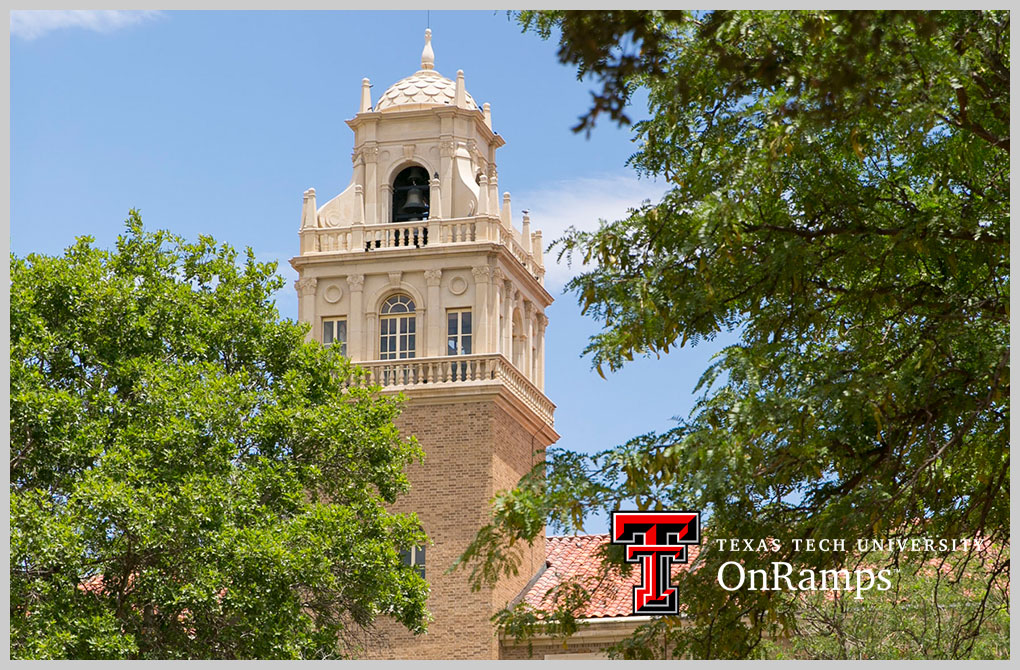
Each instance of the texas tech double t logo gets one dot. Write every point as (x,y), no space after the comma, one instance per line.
(657,540)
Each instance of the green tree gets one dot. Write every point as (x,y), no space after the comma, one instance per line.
(188,477)
(838,196)
(928,613)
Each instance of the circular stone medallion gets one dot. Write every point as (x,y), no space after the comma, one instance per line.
(458,285)
(333,293)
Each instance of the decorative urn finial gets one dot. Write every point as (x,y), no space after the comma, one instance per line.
(428,58)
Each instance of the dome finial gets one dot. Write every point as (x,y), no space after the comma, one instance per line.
(428,58)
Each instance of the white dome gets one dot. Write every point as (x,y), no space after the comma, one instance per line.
(423,89)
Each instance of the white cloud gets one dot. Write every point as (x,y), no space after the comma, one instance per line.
(32,24)
(580,203)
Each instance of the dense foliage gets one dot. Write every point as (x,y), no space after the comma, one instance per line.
(929,613)
(839,196)
(188,478)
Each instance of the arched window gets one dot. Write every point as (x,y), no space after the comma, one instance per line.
(397,328)
(411,194)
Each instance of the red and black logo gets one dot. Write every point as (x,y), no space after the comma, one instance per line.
(657,540)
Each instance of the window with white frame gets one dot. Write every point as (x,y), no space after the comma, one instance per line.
(415,557)
(458,332)
(334,331)
(397,328)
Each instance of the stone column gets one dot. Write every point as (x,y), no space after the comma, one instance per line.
(446,150)
(359,204)
(529,316)
(356,319)
(419,318)
(435,202)
(505,214)
(306,304)
(358,229)
(372,207)
(386,203)
(508,325)
(495,343)
(480,330)
(493,190)
(543,321)
(434,340)
(371,331)
(483,210)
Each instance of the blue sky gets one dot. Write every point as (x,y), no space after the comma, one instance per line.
(216,122)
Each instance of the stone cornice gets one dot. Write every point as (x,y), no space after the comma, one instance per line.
(511,266)
(491,137)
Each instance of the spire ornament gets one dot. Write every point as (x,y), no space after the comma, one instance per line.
(428,57)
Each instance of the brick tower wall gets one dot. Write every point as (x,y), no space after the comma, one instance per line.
(473,448)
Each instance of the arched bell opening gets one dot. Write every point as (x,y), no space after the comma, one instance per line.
(411,194)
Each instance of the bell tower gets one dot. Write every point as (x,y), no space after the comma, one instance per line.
(418,272)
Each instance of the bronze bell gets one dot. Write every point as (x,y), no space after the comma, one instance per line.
(415,205)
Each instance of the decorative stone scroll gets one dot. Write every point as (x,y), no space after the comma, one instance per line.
(432,277)
(306,286)
(356,282)
(481,273)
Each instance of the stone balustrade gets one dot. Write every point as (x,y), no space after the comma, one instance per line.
(509,240)
(418,234)
(408,374)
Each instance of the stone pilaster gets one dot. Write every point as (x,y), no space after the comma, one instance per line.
(496,310)
(356,319)
(508,324)
(543,321)
(529,339)
(480,324)
(386,203)
(434,339)
(306,303)
(373,207)
(446,150)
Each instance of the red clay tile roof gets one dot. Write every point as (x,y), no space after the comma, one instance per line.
(580,557)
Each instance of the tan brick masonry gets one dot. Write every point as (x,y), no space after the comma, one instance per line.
(473,449)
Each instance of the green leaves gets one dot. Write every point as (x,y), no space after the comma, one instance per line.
(840,200)
(188,477)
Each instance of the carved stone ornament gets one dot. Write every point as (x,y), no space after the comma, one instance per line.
(395,277)
(481,273)
(333,293)
(371,154)
(356,282)
(306,286)
(447,147)
(432,277)
(458,285)
(498,275)
(408,151)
